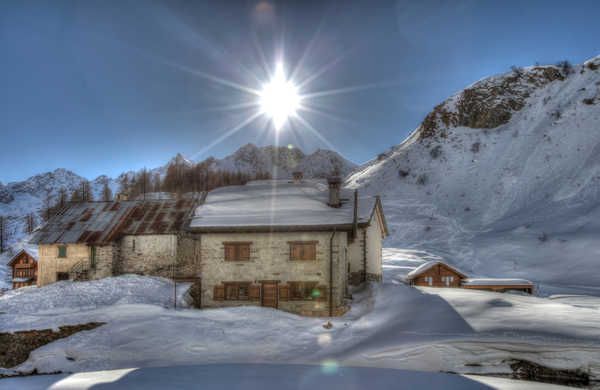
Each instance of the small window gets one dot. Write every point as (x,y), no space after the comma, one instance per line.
(62,251)
(237,291)
(62,276)
(25,260)
(303,290)
(133,245)
(93,257)
(303,250)
(237,251)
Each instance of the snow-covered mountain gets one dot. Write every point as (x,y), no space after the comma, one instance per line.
(282,161)
(502,178)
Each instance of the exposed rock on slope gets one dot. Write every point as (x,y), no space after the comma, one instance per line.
(503,178)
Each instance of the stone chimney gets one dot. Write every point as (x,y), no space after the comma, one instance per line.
(121,196)
(334,191)
(297,176)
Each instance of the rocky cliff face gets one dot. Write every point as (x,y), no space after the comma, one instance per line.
(502,178)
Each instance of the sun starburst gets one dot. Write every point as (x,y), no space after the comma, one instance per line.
(279,98)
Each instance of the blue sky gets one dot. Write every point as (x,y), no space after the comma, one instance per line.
(100,87)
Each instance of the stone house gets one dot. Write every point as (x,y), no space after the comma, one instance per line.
(94,240)
(24,269)
(294,246)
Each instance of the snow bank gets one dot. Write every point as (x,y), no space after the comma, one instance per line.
(67,296)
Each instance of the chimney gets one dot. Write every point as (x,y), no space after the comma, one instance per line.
(121,196)
(297,176)
(334,191)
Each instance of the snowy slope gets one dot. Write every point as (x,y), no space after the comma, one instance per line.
(502,179)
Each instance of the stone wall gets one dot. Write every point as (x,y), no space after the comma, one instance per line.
(355,258)
(374,250)
(270,260)
(49,264)
(106,258)
(151,254)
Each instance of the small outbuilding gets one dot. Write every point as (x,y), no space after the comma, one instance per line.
(498,285)
(24,269)
(440,274)
(435,274)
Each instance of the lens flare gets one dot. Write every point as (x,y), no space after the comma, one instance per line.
(329,367)
(279,98)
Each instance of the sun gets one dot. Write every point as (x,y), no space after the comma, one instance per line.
(279,98)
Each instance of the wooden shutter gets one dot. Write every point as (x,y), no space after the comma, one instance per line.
(310,252)
(229,252)
(294,252)
(219,292)
(284,292)
(244,252)
(254,292)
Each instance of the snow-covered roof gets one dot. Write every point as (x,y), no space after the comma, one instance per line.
(277,204)
(20,280)
(430,264)
(496,282)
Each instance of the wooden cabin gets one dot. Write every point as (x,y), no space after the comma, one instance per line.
(439,274)
(435,274)
(24,269)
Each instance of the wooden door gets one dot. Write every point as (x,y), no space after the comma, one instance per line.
(269,294)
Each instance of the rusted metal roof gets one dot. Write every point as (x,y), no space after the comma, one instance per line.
(98,223)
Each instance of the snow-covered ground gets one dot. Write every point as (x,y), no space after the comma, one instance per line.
(269,376)
(390,325)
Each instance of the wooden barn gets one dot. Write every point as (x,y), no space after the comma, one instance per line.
(24,269)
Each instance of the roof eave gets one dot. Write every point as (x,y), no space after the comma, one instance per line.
(270,228)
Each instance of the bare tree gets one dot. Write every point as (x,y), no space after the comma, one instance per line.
(106,192)
(76,195)
(4,233)
(47,209)
(62,197)
(30,223)
(86,191)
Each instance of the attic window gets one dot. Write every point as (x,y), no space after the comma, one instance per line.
(303,250)
(237,251)
(62,251)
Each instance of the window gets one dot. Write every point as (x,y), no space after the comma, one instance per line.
(62,251)
(428,279)
(447,280)
(237,251)
(25,260)
(303,290)
(303,250)
(93,257)
(236,291)
(133,245)
(62,276)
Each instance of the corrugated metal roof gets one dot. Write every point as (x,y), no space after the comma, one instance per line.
(101,222)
